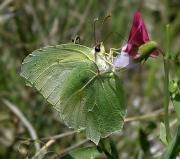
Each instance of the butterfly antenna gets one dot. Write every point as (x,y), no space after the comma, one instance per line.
(117,34)
(103,22)
(107,36)
(95,40)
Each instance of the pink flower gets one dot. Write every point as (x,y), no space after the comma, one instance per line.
(137,37)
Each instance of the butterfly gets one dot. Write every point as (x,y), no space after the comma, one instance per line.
(79,83)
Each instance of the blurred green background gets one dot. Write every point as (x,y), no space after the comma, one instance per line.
(31,24)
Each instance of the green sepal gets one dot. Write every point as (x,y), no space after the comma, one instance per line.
(145,50)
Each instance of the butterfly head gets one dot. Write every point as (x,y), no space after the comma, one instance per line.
(99,49)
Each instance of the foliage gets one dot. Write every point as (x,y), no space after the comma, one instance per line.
(173,149)
(82,153)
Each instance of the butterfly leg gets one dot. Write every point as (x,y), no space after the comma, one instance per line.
(113,52)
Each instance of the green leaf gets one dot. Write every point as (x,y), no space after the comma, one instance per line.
(176,103)
(174,88)
(69,79)
(173,148)
(163,134)
(83,153)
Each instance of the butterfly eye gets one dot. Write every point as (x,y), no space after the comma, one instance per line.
(97,48)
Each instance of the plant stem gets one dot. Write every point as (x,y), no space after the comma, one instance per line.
(73,147)
(153,115)
(24,120)
(166,86)
(166,99)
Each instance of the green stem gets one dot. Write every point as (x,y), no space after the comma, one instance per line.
(166,86)
(166,99)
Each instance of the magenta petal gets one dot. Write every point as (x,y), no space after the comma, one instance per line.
(138,34)
(154,54)
(137,37)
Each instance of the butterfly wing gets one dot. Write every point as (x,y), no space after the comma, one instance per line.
(68,78)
